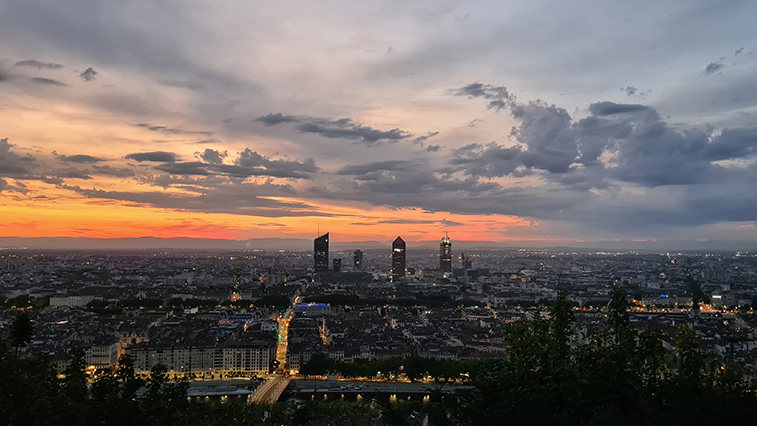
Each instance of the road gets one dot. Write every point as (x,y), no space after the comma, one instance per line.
(270,391)
(281,348)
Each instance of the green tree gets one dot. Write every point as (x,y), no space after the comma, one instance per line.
(73,390)
(318,365)
(22,330)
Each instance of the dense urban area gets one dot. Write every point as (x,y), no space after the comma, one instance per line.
(371,328)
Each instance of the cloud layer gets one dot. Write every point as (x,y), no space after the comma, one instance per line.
(571,121)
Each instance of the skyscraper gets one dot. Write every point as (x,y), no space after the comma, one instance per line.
(445,254)
(321,253)
(357,260)
(398,259)
(466,262)
(337,265)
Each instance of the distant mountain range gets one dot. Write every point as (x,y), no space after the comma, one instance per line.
(149,243)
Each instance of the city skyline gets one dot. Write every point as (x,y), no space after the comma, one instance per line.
(527,124)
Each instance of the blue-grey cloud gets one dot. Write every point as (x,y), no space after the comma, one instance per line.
(425,137)
(14,165)
(89,74)
(38,64)
(277,118)
(78,158)
(106,170)
(48,81)
(154,156)
(341,128)
(345,128)
(171,131)
(238,199)
(212,156)
(498,96)
(713,67)
(248,163)
(489,160)
(252,160)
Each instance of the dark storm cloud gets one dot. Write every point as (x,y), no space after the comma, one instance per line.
(78,158)
(212,156)
(712,67)
(196,168)
(425,137)
(278,118)
(38,64)
(17,187)
(733,143)
(171,131)
(342,128)
(489,160)
(70,172)
(582,166)
(112,171)
(423,187)
(155,156)
(89,74)
(498,96)
(545,130)
(248,163)
(609,108)
(345,128)
(27,167)
(646,150)
(48,81)
(253,161)
(14,165)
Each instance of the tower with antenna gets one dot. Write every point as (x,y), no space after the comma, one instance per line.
(445,254)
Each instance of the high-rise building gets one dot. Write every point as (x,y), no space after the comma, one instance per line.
(321,253)
(398,259)
(337,265)
(466,262)
(445,254)
(357,260)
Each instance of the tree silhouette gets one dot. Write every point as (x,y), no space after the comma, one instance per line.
(22,330)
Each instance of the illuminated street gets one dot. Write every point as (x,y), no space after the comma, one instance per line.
(281,349)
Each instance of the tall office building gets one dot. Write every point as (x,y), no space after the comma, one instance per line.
(321,253)
(357,260)
(445,254)
(398,259)
(337,265)
(466,262)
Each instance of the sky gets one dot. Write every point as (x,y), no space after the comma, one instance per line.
(521,122)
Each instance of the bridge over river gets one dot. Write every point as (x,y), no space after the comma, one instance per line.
(278,385)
